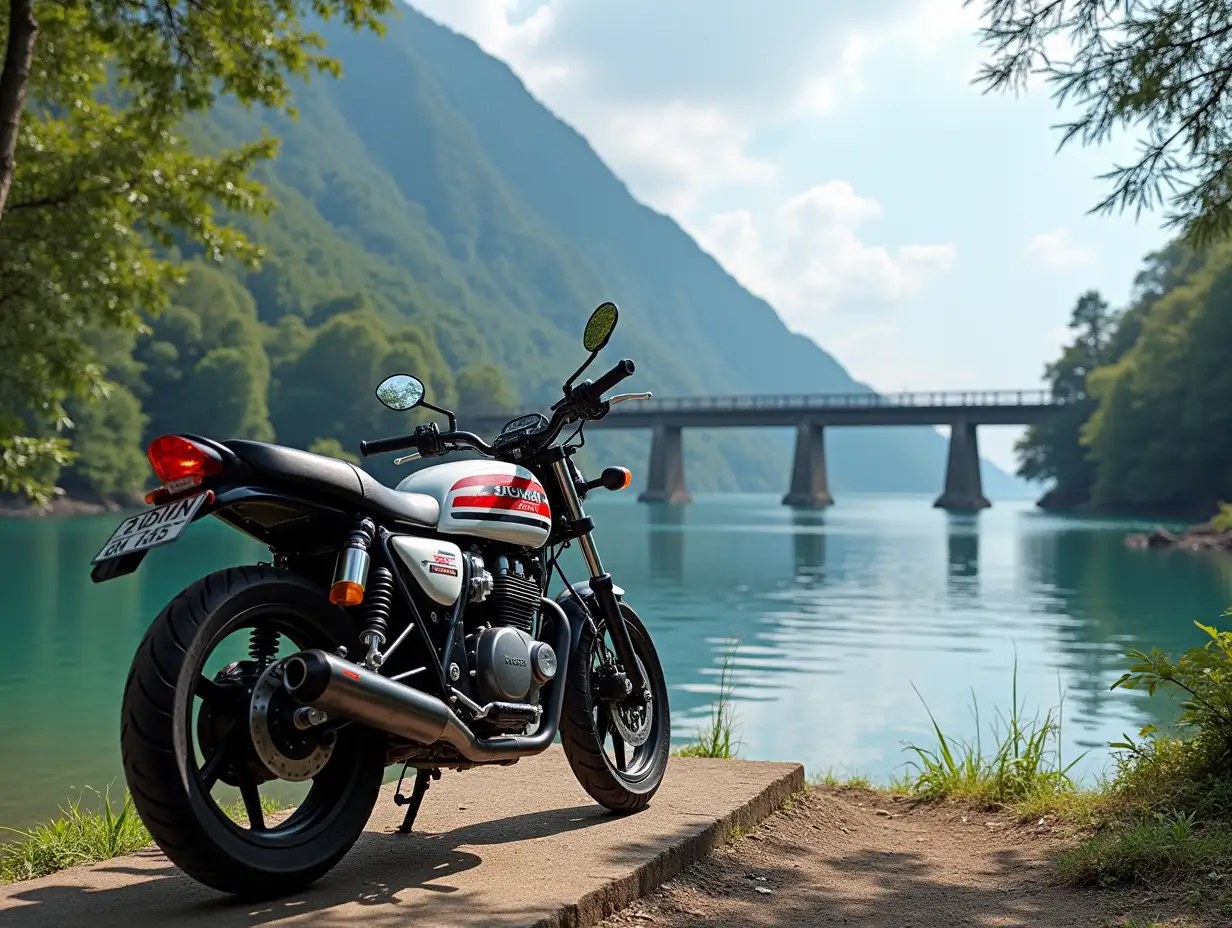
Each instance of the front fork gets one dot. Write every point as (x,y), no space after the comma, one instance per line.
(600,581)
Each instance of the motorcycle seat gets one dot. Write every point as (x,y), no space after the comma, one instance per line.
(339,479)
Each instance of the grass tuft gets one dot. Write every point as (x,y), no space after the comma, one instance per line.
(717,738)
(79,836)
(1164,846)
(84,835)
(1025,764)
(835,780)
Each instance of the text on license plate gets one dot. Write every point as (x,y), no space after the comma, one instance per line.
(151,528)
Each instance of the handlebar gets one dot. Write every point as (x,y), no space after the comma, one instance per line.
(402,442)
(618,373)
(385,445)
(586,402)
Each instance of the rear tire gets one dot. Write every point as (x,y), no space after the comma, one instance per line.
(169,788)
(583,733)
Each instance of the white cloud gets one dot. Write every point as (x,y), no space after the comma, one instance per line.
(1057,248)
(807,259)
(679,150)
(672,94)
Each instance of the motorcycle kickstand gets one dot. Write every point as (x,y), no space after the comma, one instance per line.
(412,802)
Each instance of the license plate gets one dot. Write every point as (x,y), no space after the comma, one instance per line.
(150,529)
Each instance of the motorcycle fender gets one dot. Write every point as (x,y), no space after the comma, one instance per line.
(579,612)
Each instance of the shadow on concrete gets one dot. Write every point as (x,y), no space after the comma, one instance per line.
(372,875)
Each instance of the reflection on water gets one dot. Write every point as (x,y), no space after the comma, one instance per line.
(837,614)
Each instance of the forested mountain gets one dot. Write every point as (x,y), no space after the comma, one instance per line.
(433,217)
(1150,426)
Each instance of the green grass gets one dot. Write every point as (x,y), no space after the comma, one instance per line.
(85,835)
(1148,850)
(836,780)
(717,737)
(1023,763)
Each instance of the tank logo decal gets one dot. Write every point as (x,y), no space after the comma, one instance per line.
(501,498)
(441,569)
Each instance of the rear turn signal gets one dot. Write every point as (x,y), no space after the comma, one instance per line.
(346,593)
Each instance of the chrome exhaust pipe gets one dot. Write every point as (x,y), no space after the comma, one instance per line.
(342,689)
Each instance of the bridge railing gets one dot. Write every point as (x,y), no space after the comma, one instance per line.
(822,401)
(850,400)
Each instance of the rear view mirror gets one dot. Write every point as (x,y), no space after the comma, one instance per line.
(600,326)
(401,392)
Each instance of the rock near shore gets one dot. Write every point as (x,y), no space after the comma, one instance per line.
(1197,538)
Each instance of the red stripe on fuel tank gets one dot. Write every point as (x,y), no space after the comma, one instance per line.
(503,502)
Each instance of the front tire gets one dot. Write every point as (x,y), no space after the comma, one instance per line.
(627,778)
(171,788)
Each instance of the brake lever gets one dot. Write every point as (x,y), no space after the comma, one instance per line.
(414,455)
(622,397)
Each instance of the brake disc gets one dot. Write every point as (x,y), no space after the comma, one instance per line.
(288,752)
(634,730)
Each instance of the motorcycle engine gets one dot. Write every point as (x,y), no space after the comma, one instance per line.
(509,665)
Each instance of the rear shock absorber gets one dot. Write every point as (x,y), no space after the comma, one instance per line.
(263,645)
(379,601)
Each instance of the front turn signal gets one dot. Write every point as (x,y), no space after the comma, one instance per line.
(612,478)
(615,478)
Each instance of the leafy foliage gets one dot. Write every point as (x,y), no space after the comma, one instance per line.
(1168,811)
(102,190)
(1204,674)
(1162,68)
(1151,396)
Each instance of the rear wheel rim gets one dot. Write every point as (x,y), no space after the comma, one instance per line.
(224,742)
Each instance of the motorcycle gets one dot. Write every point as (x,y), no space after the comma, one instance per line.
(393,626)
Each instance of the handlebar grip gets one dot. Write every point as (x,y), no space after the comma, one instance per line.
(385,445)
(618,373)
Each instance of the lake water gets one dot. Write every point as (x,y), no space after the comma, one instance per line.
(837,616)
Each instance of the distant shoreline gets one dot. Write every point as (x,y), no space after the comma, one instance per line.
(60,507)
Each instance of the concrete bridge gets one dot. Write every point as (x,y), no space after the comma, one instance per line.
(809,414)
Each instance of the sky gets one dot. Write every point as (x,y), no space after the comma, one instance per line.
(837,159)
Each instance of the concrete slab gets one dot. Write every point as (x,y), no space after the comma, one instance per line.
(504,847)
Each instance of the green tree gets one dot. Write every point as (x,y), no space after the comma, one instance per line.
(1053,449)
(1159,68)
(205,364)
(96,186)
(1161,436)
(107,442)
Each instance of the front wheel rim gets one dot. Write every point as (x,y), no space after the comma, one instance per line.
(630,762)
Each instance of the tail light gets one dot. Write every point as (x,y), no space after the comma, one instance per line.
(179,464)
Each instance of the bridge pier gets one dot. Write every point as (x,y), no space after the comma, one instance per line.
(809,486)
(665,479)
(964,487)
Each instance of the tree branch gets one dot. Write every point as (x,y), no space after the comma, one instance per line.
(14,82)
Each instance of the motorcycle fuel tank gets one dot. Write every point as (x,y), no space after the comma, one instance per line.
(486,499)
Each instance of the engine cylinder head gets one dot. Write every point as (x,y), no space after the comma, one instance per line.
(515,595)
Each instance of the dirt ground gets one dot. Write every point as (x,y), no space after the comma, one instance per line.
(856,858)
